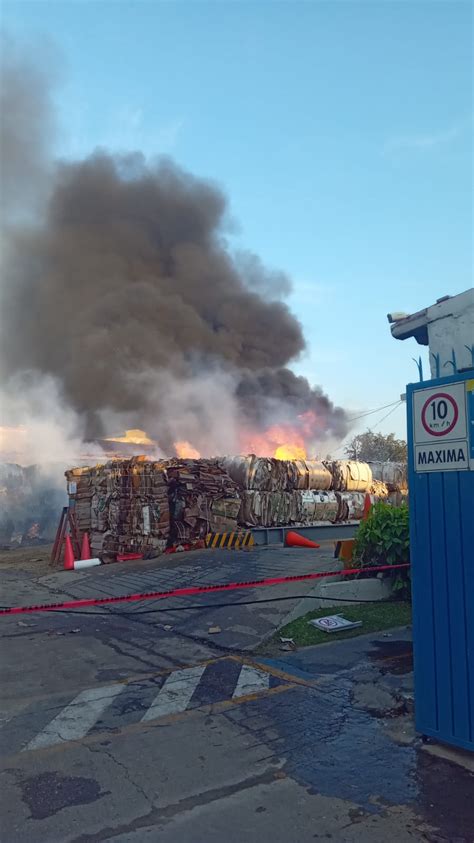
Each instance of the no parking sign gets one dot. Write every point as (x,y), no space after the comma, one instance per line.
(440,428)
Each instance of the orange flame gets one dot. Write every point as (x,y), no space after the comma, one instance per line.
(290,452)
(132,437)
(283,442)
(185,451)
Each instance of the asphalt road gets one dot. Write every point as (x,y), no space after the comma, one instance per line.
(149,727)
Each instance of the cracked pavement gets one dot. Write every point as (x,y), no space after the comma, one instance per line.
(328,753)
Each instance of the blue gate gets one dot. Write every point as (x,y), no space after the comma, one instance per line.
(441,486)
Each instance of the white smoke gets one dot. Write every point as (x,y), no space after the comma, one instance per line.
(37,426)
(201,410)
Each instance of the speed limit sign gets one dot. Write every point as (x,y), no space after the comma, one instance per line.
(439,414)
(439,428)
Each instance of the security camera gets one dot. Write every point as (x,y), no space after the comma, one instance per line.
(396,316)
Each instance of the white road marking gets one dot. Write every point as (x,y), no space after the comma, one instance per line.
(74,721)
(176,693)
(251,680)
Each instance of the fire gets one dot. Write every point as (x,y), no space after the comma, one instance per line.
(186,451)
(132,437)
(290,452)
(283,441)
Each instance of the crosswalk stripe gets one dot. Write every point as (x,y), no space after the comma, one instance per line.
(250,681)
(110,708)
(74,721)
(176,693)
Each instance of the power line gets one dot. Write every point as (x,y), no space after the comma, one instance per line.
(399,403)
(394,406)
(370,412)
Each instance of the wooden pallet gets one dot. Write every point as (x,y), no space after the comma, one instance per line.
(67,526)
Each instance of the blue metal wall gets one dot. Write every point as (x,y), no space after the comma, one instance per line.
(442,555)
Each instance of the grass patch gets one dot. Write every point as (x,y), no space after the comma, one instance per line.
(374,617)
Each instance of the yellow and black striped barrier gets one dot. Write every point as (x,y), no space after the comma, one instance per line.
(236,541)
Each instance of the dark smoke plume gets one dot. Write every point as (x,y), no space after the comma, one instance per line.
(27,127)
(290,395)
(125,289)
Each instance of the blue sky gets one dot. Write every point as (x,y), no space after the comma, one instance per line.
(341,131)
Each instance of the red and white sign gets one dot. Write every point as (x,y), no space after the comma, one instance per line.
(439,414)
(439,429)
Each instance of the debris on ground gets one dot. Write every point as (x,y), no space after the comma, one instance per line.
(287,644)
(30,500)
(334,623)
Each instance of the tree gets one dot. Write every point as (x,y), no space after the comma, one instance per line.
(374,447)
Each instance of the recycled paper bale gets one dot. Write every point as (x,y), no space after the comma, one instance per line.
(251,508)
(202,498)
(224,513)
(267,474)
(266,509)
(248,472)
(393,474)
(260,474)
(350,506)
(123,504)
(297,472)
(349,476)
(317,506)
(81,489)
(379,490)
(319,476)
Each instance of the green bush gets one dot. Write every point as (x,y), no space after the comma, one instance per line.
(384,537)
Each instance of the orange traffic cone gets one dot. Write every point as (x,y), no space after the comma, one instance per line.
(85,547)
(295,540)
(367,506)
(68,554)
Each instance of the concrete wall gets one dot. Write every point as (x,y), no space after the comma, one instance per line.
(451,326)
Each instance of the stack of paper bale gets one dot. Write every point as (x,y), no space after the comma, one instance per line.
(278,492)
(138,509)
(276,509)
(349,476)
(123,505)
(317,506)
(267,474)
(262,474)
(267,509)
(135,505)
(392,474)
(393,477)
(80,490)
(350,505)
(202,499)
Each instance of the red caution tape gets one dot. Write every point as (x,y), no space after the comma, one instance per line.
(185,592)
